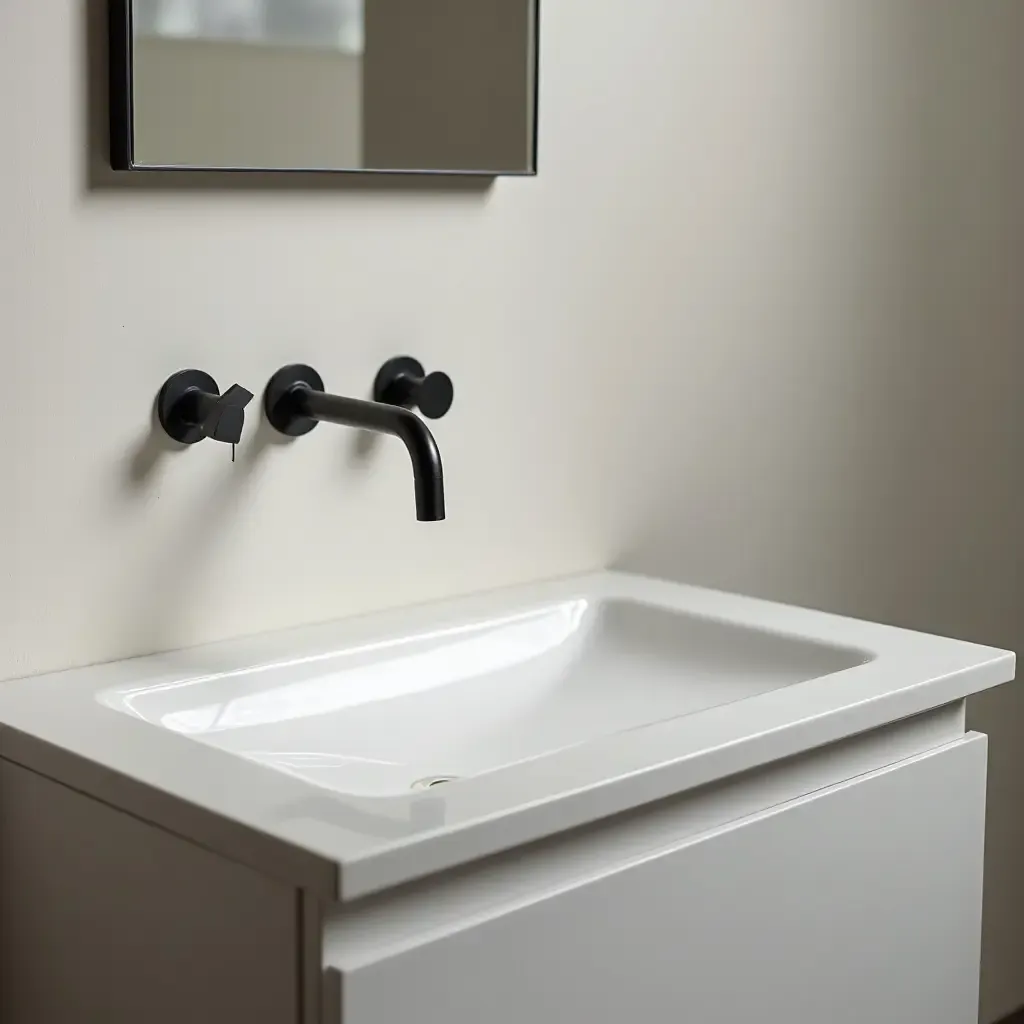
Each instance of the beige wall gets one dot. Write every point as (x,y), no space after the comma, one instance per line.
(759,323)
(847,425)
(224,104)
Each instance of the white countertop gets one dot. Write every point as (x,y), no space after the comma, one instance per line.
(344,846)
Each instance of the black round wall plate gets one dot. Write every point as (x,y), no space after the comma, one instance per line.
(389,374)
(172,406)
(278,399)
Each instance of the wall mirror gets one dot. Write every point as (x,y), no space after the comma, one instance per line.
(404,86)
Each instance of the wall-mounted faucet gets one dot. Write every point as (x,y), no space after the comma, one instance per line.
(190,408)
(295,401)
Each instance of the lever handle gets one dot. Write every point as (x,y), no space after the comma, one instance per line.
(190,407)
(226,415)
(402,381)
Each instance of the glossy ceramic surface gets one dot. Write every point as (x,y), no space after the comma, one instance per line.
(310,752)
(376,718)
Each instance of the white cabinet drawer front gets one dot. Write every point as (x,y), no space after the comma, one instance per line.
(859,903)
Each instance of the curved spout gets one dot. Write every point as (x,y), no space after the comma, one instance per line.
(387,419)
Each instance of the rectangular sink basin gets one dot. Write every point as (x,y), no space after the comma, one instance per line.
(383,717)
(361,754)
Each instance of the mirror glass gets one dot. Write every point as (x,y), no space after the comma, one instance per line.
(444,86)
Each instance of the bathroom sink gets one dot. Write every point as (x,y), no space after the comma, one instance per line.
(383,717)
(361,754)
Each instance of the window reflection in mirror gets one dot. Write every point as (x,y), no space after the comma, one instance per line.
(320,23)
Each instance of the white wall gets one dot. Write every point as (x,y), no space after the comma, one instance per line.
(758,323)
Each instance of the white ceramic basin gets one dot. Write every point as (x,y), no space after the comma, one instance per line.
(381,717)
(553,705)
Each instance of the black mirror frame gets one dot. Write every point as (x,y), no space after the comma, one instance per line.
(122,114)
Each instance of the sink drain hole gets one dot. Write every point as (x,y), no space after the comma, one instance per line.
(434,780)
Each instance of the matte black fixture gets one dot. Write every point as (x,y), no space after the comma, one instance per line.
(295,401)
(402,381)
(190,408)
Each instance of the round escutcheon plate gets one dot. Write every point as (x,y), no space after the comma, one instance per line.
(171,405)
(278,399)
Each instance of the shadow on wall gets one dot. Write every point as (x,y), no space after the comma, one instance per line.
(168,584)
(163,603)
(100,177)
(851,434)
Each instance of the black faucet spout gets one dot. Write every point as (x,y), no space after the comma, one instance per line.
(427,473)
(295,402)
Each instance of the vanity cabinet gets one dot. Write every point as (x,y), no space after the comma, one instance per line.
(662,804)
(855,900)
(860,902)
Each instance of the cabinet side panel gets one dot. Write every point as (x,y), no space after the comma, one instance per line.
(105,918)
(859,903)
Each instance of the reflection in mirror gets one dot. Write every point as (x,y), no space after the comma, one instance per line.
(392,85)
(332,24)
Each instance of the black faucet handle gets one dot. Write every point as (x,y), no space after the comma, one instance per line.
(236,397)
(226,415)
(402,381)
(190,407)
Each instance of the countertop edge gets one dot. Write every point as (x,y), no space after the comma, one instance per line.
(374,872)
(236,840)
